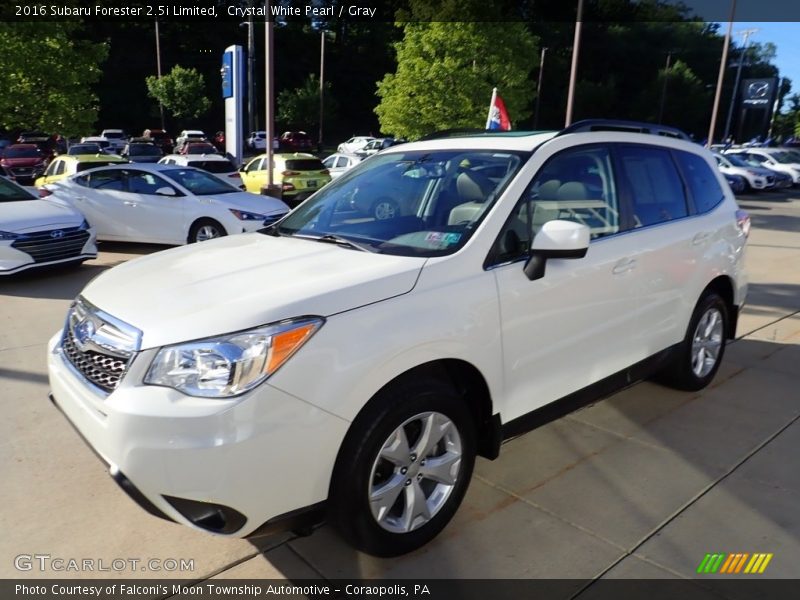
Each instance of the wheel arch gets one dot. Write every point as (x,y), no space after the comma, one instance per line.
(196,222)
(723,286)
(468,381)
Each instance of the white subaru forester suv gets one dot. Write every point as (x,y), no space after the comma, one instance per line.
(343,362)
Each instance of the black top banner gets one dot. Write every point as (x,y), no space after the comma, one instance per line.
(322,11)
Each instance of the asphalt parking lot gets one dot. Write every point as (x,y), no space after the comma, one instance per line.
(641,485)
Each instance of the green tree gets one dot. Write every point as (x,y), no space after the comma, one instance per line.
(48,74)
(181,91)
(299,108)
(446,72)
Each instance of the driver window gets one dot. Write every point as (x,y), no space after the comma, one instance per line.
(256,165)
(575,185)
(140,182)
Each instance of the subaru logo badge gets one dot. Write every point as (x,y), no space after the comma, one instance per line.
(57,234)
(84,332)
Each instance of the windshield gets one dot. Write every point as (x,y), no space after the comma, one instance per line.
(143,150)
(12,152)
(423,203)
(785,158)
(113,135)
(84,149)
(200,183)
(736,161)
(11,192)
(214,166)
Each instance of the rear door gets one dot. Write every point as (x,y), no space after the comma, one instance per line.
(99,196)
(669,241)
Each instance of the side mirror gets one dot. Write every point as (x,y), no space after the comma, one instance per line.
(165,191)
(556,239)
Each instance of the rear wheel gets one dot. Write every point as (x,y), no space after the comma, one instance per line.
(206,229)
(404,468)
(699,355)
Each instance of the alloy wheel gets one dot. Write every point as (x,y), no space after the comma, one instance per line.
(415,472)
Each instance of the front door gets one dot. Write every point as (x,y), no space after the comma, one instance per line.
(576,325)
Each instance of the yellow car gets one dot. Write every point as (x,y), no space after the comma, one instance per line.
(298,174)
(69,164)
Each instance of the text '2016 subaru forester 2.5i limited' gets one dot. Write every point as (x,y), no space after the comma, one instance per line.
(358,361)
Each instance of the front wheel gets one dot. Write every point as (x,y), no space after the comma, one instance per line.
(698,357)
(206,229)
(404,468)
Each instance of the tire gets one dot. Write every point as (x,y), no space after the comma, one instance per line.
(205,229)
(700,353)
(384,209)
(385,457)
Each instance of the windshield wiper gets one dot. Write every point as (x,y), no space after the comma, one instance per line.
(330,238)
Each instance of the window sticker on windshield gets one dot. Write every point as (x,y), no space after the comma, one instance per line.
(441,239)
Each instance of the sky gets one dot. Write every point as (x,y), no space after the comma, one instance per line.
(785,36)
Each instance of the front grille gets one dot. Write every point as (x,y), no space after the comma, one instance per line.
(101,369)
(43,247)
(98,345)
(770,179)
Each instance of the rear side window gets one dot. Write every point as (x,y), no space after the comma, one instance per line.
(705,189)
(655,186)
(306,164)
(213,166)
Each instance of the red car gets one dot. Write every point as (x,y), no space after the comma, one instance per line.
(24,162)
(296,141)
(198,148)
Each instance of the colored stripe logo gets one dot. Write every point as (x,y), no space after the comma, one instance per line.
(735,563)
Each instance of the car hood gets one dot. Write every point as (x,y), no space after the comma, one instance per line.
(21,162)
(242,281)
(264,205)
(757,171)
(26,216)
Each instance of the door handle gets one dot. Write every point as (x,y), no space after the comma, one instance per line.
(701,238)
(624,265)
(129,203)
(80,198)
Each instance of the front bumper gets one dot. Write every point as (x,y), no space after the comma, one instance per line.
(14,260)
(258,456)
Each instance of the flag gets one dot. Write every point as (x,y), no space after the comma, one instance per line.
(498,116)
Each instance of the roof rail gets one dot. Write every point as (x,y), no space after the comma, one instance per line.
(446,133)
(625,126)
(450,133)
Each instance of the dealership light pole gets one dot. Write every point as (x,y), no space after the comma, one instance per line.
(664,89)
(321,84)
(746,36)
(713,125)
(251,74)
(158,71)
(574,70)
(269,56)
(539,90)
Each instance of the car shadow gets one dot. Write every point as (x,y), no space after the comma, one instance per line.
(616,449)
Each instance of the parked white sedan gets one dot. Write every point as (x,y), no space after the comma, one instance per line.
(338,164)
(213,163)
(37,233)
(164,204)
(354,144)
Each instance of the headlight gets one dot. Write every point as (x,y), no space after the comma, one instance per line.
(7,235)
(243,215)
(85,225)
(229,365)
